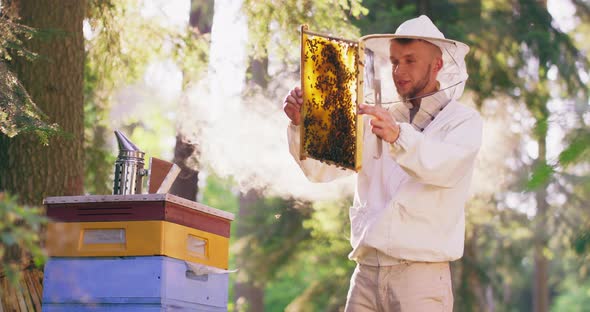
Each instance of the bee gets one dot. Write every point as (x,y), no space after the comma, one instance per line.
(329,123)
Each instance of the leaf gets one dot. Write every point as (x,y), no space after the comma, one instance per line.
(19,227)
(540,177)
(18,113)
(581,243)
(7,239)
(575,150)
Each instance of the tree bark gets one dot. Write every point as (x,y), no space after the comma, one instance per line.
(249,291)
(55,83)
(248,296)
(201,15)
(541,240)
(470,294)
(259,71)
(186,184)
(186,153)
(423,7)
(541,278)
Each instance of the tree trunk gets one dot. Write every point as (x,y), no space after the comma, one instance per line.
(469,293)
(201,16)
(259,71)
(186,153)
(541,279)
(541,240)
(186,184)
(423,7)
(55,82)
(249,291)
(249,298)
(248,295)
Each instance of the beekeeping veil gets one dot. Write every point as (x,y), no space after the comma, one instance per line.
(451,77)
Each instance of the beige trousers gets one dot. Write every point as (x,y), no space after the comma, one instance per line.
(405,287)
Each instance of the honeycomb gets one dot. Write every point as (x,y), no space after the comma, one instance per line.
(329,71)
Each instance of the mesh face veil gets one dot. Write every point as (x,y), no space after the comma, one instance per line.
(451,77)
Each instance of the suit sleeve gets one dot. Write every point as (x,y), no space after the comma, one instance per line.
(441,162)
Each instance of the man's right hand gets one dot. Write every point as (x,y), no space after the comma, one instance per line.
(292,105)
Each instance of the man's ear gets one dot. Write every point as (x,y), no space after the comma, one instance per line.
(438,65)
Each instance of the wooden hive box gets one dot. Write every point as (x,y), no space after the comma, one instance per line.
(131,284)
(137,225)
(136,238)
(139,207)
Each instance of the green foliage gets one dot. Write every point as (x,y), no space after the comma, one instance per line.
(581,243)
(272,22)
(495,258)
(12,38)
(273,233)
(99,161)
(19,231)
(293,250)
(220,193)
(18,112)
(191,54)
(577,150)
(499,61)
(298,251)
(317,275)
(575,297)
(541,175)
(541,126)
(514,44)
(299,254)
(382,17)
(114,54)
(123,42)
(121,45)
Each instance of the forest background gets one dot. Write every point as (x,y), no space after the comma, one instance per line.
(201,82)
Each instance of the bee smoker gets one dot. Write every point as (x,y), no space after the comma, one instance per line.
(129,169)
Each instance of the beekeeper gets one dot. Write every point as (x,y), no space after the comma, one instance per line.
(408,218)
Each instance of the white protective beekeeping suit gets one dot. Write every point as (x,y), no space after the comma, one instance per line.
(410,200)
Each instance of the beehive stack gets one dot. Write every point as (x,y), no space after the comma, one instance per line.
(135,253)
(331,130)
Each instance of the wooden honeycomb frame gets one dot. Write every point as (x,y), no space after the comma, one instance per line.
(331,80)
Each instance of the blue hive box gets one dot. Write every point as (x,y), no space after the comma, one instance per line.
(140,284)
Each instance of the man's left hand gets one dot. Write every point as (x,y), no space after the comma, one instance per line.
(383,124)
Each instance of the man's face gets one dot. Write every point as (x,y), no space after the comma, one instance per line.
(414,67)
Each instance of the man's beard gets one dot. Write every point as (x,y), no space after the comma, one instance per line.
(420,85)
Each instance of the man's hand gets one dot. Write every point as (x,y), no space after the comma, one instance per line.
(383,124)
(292,105)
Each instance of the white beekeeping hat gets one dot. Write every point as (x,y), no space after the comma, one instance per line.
(452,76)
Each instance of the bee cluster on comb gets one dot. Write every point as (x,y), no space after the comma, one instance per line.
(330,123)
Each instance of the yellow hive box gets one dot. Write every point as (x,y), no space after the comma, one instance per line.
(136,238)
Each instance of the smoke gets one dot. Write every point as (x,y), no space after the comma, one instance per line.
(505,124)
(246,138)
(243,137)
